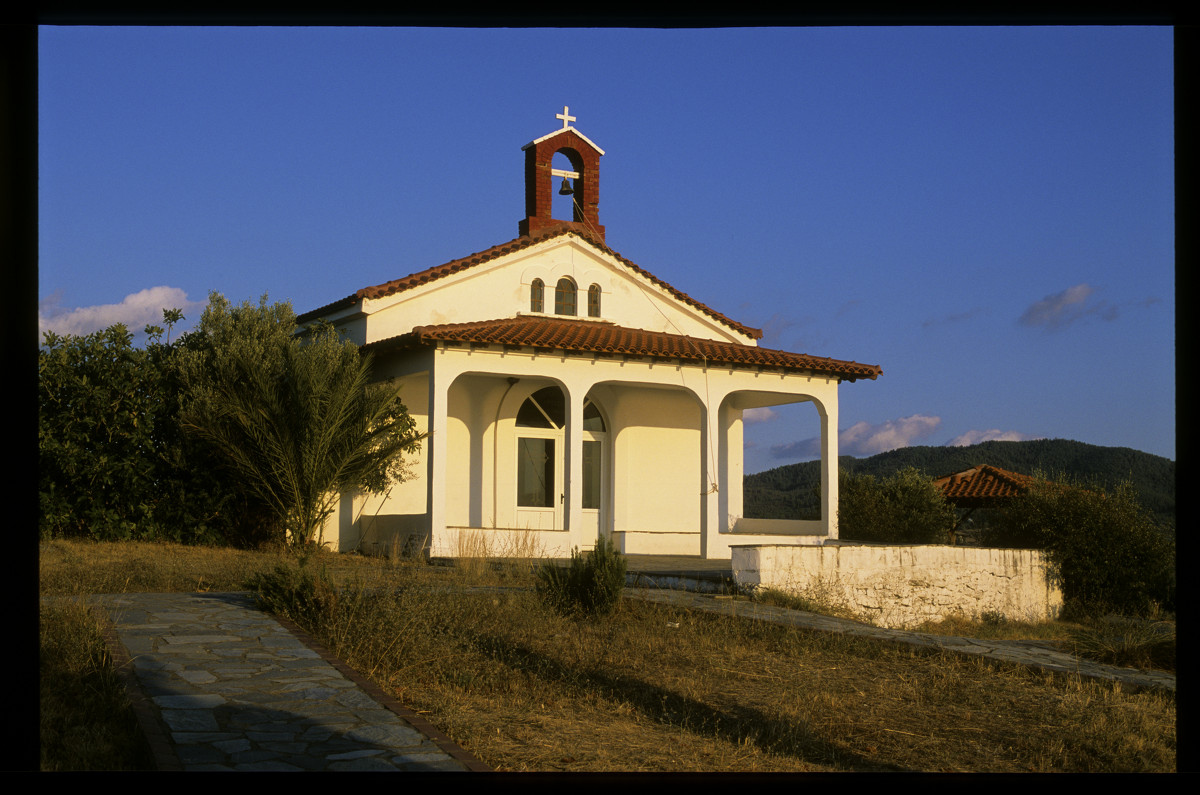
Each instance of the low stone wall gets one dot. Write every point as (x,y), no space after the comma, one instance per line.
(903,586)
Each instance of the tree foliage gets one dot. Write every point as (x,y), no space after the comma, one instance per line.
(1108,552)
(787,492)
(293,416)
(279,423)
(904,508)
(112,462)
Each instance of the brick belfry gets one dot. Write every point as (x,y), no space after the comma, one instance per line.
(584,177)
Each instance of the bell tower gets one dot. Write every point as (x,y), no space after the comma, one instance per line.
(582,182)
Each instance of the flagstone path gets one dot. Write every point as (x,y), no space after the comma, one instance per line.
(220,685)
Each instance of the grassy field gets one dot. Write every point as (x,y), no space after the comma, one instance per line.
(650,688)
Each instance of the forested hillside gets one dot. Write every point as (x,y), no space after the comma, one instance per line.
(791,491)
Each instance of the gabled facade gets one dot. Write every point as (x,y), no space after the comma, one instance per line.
(569,393)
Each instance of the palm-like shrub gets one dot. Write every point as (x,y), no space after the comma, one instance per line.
(293,415)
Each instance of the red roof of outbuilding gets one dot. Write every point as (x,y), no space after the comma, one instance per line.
(582,336)
(983,483)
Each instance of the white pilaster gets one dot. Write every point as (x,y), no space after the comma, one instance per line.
(573,466)
(828,408)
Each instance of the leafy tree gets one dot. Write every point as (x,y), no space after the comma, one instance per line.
(1108,551)
(904,508)
(112,463)
(292,415)
(96,412)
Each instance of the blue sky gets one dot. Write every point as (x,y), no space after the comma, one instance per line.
(985,212)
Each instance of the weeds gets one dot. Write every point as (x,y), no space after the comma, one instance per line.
(1128,642)
(590,586)
(295,592)
(86,720)
(819,598)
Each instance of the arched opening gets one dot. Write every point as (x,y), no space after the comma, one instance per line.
(564,297)
(593,306)
(537,296)
(564,206)
(541,423)
(782,478)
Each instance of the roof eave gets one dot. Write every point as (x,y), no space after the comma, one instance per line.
(585,139)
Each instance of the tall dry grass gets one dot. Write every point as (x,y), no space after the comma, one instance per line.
(656,688)
(86,722)
(653,688)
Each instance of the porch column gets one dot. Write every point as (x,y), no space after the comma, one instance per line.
(828,408)
(435,452)
(710,481)
(573,466)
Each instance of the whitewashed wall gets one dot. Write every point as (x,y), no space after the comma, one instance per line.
(904,586)
(500,289)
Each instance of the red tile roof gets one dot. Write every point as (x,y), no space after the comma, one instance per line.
(455,266)
(582,336)
(983,483)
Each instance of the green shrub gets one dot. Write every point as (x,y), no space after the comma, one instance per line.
(905,508)
(1108,553)
(590,586)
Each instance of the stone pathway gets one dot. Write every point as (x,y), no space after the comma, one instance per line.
(1028,653)
(220,685)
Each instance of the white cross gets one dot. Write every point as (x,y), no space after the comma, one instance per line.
(567,119)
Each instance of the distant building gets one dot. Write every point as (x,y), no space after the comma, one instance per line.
(981,487)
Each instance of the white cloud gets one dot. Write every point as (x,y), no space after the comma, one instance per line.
(994,435)
(1060,310)
(135,311)
(863,439)
(764,414)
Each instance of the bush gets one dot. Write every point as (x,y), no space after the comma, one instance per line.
(590,586)
(112,461)
(296,593)
(292,417)
(1108,553)
(905,508)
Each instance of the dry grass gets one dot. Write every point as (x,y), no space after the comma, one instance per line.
(86,722)
(654,688)
(86,567)
(1131,643)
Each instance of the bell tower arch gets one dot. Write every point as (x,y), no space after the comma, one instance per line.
(582,180)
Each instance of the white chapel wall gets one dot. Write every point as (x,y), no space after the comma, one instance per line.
(501,289)
(657,472)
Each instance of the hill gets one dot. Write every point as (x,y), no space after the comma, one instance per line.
(790,491)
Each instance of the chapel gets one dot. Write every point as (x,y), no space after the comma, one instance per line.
(569,393)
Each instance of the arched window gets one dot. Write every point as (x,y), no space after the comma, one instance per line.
(546,408)
(537,302)
(540,422)
(594,301)
(564,297)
